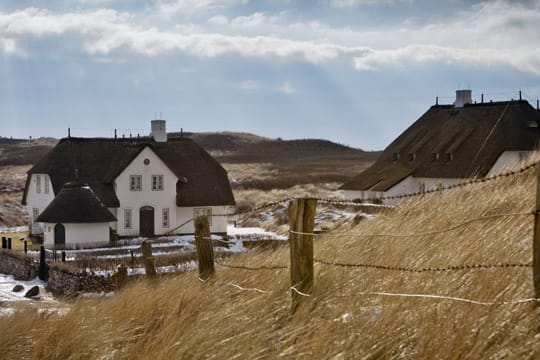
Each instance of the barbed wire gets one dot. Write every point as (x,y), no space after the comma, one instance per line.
(425,269)
(435,232)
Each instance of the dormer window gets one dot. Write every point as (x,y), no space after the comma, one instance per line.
(434,156)
(449,157)
(395,156)
(411,157)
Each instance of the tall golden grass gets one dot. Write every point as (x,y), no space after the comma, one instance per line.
(246,314)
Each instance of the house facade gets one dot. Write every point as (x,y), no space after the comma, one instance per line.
(450,144)
(151,185)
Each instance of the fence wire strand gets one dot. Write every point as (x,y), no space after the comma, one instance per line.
(424,269)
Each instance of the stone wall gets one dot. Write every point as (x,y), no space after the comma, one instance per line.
(19,265)
(69,282)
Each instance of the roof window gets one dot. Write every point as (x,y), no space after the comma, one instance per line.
(434,156)
(448,157)
(411,157)
(395,156)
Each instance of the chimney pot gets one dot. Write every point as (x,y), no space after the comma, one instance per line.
(463,97)
(159,132)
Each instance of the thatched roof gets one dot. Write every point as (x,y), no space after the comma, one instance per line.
(76,203)
(468,141)
(98,161)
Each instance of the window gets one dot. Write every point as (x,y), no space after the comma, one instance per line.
(35,214)
(203,211)
(38,184)
(434,156)
(135,183)
(449,156)
(411,157)
(395,156)
(127,218)
(46,187)
(157,182)
(165,218)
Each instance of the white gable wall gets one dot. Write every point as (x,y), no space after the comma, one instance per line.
(407,186)
(38,200)
(78,235)
(510,160)
(134,200)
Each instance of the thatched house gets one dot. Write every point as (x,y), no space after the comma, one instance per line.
(151,185)
(75,218)
(450,143)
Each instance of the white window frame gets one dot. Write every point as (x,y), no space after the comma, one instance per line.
(157,182)
(135,182)
(203,211)
(128,220)
(165,218)
(38,184)
(46,186)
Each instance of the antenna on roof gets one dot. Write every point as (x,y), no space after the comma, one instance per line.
(69,133)
(115,133)
(436,100)
(482,99)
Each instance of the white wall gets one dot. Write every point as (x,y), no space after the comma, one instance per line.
(79,235)
(219,223)
(134,200)
(509,160)
(35,200)
(407,186)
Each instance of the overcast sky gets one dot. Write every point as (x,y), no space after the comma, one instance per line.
(356,72)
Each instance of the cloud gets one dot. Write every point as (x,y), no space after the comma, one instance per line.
(489,34)
(348,3)
(169,8)
(250,85)
(287,88)
(106,31)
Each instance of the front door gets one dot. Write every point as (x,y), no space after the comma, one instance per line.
(146,221)
(59,236)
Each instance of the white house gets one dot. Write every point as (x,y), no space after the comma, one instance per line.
(451,143)
(151,185)
(75,218)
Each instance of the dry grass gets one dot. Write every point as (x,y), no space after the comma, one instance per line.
(182,318)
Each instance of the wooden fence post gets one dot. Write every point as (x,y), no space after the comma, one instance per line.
(63,256)
(121,276)
(536,238)
(148,259)
(301,223)
(205,252)
(26,246)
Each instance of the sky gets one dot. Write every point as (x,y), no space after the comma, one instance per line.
(357,72)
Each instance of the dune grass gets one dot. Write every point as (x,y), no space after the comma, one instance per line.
(246,314)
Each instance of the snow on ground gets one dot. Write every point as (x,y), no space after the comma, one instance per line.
(7,296)
(248,231)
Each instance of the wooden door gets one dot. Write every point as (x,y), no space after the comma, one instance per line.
(59,236)
(146,221)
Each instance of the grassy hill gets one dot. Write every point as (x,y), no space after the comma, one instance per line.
(354,312)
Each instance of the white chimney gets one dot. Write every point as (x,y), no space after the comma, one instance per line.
(463,97)
(158,131)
